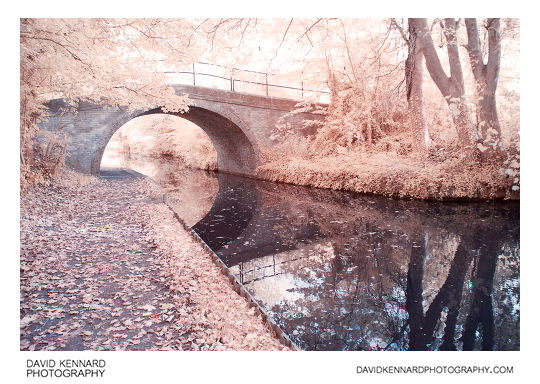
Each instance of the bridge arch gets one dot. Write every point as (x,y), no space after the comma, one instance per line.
(237,124)
(237,151)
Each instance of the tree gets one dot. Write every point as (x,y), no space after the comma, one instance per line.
(486,77)
(487,134)
(452,87)
(414,72)
(106,61)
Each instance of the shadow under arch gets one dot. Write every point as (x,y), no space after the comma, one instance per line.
(239,227)
(236,152)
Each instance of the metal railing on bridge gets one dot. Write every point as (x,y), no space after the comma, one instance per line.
(197,72)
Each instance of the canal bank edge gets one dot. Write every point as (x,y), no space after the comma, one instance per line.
(404,179)
(237,286)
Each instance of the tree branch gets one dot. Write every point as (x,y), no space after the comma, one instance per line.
(307,30)
(494,53)
(433,63)
(474,48)
(456,73)
(401,31)
(280,44)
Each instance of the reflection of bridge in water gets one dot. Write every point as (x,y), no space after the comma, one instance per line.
(275,264)
(236,221)
(254,274)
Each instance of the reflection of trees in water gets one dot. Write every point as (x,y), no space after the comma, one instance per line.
(350,299)
(373,304)
(376,293)
(506,297)
(438,327)
(191,192)
(422,326)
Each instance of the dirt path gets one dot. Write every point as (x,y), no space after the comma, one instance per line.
(105,266)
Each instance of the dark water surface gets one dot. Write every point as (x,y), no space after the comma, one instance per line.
(344,271)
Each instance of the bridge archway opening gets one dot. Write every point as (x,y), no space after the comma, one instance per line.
(159,143)
(235,152)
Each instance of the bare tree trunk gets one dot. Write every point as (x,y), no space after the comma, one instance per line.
(422,326)
(449,296)
(482,305)
(452,87)
(413,294)
(414,71)
(486,77)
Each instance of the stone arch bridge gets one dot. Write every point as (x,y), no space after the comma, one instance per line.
(239,126)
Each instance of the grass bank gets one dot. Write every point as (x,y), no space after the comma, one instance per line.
(395,176)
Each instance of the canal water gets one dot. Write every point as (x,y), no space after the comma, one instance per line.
(345,271)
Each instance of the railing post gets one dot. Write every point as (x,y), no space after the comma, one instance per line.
(241,273)
(193,74)
(232,80)
(266,76)
(302,89)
